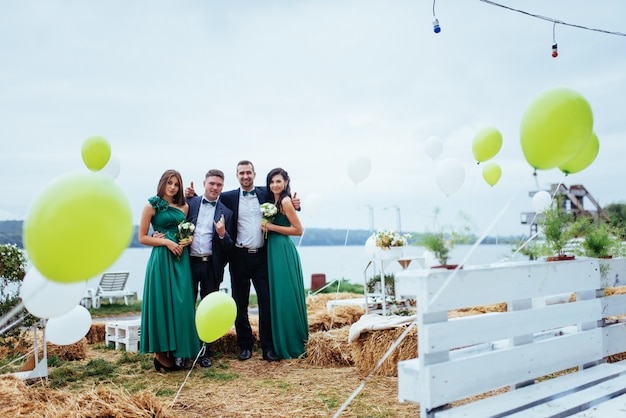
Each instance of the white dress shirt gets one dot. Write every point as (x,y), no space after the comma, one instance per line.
(203,234)
(249,232)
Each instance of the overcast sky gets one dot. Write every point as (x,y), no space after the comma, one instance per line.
(306,85)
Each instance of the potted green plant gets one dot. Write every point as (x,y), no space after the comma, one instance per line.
(598,239)
(441,242)
(557,227)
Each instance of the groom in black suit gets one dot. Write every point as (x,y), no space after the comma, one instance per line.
(210,250)
(248,260)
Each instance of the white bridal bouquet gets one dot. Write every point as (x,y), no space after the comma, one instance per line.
(185,230)
(269,211)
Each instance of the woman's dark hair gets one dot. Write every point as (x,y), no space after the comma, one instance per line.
(286,191)
(179,198)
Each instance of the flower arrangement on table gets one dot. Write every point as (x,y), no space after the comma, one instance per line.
(388,239)
(269,212)
(185,230)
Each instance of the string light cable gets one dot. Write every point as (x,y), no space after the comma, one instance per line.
(549,19)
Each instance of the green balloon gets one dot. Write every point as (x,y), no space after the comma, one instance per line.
(96,152)
(77,227)
(215,316)
(555,127)
(487,142)
(492,173)
(584,158)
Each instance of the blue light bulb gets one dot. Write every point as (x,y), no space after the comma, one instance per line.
(436,26)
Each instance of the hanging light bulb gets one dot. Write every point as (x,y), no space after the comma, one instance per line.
(555,53)
(436,27)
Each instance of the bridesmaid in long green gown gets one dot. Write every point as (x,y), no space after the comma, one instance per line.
(168,310)
(290,327)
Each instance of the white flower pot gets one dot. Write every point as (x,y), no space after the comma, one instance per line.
(391,253)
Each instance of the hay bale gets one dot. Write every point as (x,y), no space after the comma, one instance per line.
(97,333)
(76,351)
(227,344)
(339,317)
(19,399)
(329,348)
(317,303)
(371,346)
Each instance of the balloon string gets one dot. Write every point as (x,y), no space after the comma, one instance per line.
(200,353)
(6,317)
(471,250)
(380,363)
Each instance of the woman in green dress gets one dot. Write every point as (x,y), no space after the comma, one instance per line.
(168,312)
(290,327)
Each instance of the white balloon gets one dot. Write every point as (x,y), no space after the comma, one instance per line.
(112,168)
(542,201)
(450,175)
(433,146)
(370,245)
(45,298)
(313,203)
(359,168)
(70,327)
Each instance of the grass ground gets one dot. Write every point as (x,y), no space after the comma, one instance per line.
(231,388)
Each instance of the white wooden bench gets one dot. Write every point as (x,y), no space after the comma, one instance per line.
(519,350)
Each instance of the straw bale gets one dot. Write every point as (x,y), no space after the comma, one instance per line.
(19,399)
(316,303)
(337,318)
(97,333)
(71,352)
(477,310)
(227,344)
(371,346)
(329,348)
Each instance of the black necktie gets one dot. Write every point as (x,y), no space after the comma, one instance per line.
(209,202)
(251,192)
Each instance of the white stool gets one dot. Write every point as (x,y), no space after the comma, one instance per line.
(124,334)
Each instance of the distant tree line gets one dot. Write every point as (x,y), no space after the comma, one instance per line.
(11,233)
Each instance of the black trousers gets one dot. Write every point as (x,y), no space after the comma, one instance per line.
(203,278)
(246,268)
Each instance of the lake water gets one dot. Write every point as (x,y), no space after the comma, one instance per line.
(335,262)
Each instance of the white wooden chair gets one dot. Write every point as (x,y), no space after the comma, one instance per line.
(112,286)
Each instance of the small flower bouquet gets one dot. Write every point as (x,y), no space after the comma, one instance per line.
(269,211)
(388,239)
(185,230)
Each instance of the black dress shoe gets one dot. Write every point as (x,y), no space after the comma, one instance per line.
(180,362)
(205,361)
(245,355)
(158,366)
(270,355)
